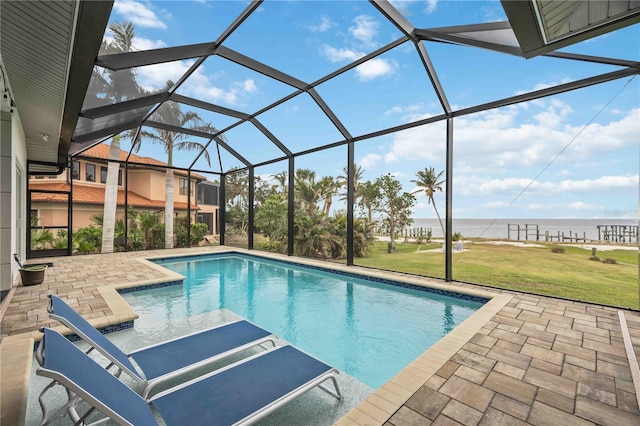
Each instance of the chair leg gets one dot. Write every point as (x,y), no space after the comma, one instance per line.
(335,393)
(71,402)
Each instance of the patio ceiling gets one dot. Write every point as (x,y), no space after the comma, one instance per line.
(544,26)
(534,28)
(47,50)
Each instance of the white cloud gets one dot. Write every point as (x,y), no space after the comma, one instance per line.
(398,175)
(539,207)
(412,109)
(603,182)
(154,77)
(141,43)
(365,29)
(369,161)
(204,88)
(249,86)
(579,205)
(495,205)
(374,68)
(369,70)
(338,55)
(138,13)
(476,186)
(393,110)
(497,139)
(324,25)
(554,115)
(431,6)
(200,85)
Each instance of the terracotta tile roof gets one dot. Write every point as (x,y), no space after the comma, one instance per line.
(85,194)
(101,151)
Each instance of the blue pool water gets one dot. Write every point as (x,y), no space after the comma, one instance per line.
(367,329)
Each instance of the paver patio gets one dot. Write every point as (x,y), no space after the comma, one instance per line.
(532,360)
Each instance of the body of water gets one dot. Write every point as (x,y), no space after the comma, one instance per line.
(497,228)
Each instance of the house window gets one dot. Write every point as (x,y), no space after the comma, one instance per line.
(90,173)
(75,170)
(103,175)
(183,186)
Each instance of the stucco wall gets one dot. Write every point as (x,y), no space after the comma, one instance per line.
(12,196)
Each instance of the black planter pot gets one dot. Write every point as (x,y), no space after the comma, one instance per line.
(32,275)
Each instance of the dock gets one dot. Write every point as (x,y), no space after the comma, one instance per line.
(608,233)
(618,233)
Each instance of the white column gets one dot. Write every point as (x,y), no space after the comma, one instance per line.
(6,210)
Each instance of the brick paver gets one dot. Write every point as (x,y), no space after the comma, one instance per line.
(537,361)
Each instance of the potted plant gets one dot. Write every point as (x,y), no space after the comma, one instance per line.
(31,274)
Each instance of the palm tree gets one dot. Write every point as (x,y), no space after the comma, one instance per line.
(171,113)
(358,174)
(307,193)
(430,182)
(327,188)
(281,177)
(106,87)
(368,193)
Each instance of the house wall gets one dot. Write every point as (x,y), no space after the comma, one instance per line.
(157,186)
(12,196)
(140,182)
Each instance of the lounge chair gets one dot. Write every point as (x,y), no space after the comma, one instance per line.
(168,359)
(240,393)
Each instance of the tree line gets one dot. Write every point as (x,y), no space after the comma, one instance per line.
(317,231)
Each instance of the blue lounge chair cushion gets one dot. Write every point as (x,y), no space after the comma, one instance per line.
(69,317)
(65,359)
(244,390)
(158,360)
(229,396)
(166,357)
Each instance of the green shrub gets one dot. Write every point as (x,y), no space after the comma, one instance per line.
(457,236)
(61,241)
(595,258)
(198,231)
(557,249)
(273,246)
(135,239)
(610,261)
(87,239)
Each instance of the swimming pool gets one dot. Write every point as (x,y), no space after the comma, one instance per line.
(369,330)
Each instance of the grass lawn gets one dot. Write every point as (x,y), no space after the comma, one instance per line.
(532,269)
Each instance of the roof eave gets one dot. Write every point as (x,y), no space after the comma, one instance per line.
(90,27)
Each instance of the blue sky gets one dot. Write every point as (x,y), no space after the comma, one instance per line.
(497,153)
